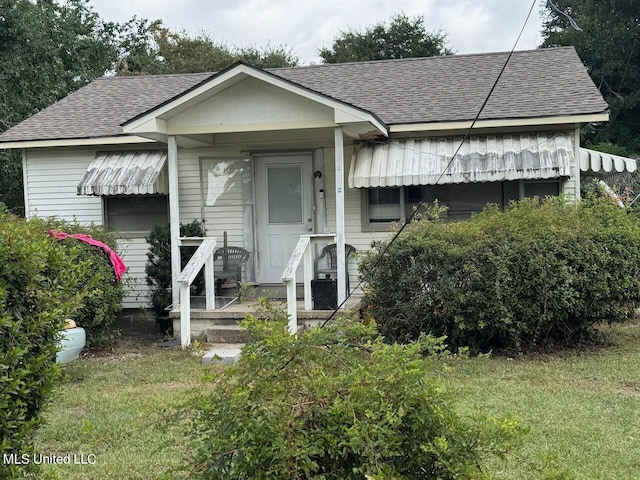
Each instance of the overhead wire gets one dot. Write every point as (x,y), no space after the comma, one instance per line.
(424,200)
(427,196)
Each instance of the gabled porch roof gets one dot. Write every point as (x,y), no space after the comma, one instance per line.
(173,116)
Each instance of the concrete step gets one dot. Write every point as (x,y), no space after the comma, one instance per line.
(223,353)
(229,334)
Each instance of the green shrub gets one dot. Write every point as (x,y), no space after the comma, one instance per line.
(158,270)
(101,304)
(538,274)
(41,284)
(158,267)
(337,403)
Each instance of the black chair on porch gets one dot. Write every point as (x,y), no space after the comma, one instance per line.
(331,252)
(232,260)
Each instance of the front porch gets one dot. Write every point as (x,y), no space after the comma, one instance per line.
(213,307)
(261,159)
(222,325)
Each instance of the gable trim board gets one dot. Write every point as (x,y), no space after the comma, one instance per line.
(76,142)
(155,119)
(500,123)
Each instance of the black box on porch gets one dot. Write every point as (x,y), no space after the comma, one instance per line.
(325,294)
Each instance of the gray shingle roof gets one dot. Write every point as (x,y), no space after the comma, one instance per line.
(98,109)
(536,83)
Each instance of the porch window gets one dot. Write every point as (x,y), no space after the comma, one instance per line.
(384,206)
(542,189)
(136,213)
(227,199)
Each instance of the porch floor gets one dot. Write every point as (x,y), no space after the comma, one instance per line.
(238,310)
(221,326)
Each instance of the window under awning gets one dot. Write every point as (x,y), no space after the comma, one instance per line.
(482,158)
(592,161)
(126,173)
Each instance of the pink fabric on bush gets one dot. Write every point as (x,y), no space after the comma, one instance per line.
(118,265)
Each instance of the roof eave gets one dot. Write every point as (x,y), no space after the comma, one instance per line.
(75,142)
(500,123)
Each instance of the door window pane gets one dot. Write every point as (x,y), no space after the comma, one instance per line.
(284,187)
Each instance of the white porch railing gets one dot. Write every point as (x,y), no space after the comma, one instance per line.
(303,253)
(202,257)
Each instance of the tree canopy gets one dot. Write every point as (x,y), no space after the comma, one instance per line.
(401,37)
(156,50)
(609,45)
(47,50)
(50,48)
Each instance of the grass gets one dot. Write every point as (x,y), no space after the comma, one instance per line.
(112,405)
(583,405)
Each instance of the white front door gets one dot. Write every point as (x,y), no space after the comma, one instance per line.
(284,185)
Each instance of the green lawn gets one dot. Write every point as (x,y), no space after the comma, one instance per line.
(112,406)
(583,405)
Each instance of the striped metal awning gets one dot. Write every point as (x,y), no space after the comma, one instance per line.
(126,173)
(599,162)
(482,158)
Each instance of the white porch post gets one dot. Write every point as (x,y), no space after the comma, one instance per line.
(174,218)
(576,155)
(340,237)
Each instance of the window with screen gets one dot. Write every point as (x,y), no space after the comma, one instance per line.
(136,213)
(384,206)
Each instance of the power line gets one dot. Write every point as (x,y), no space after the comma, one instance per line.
(427,195)
(430,191)
(572,22)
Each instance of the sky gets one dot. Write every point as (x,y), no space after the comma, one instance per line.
(472,26)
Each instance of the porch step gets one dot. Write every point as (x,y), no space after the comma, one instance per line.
(221,326)
(223,353)
(227,334)
(278,291)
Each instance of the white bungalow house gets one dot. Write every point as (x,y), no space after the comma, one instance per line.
(268,156)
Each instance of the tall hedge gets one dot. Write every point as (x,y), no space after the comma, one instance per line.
(41,284)
(538,274)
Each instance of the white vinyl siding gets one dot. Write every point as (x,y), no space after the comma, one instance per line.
(134,254)
(51,176)
(352,212)
(189,185)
